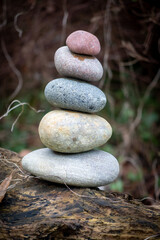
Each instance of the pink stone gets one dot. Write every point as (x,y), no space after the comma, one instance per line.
(74,65)
(83,42)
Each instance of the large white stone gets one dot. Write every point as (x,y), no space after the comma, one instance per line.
(90,169)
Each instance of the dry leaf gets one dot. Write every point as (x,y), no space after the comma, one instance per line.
(4,185)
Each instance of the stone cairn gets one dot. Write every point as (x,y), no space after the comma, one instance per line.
(72,134)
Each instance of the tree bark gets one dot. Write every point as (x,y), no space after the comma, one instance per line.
(36,209)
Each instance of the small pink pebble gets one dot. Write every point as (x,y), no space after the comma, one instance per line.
(83,42)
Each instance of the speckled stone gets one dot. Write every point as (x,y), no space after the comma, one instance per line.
(75,95)
(90,169)
(83,42)
(84,67)
(71,132)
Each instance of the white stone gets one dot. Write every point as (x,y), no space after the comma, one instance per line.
(89,169)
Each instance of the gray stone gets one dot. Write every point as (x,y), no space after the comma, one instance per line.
(90,169)
(75,95)
(84,67)
(71,132)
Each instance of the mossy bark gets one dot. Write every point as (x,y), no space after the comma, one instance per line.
(36,209)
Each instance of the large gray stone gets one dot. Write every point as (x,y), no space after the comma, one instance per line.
(75,95)
(90,169)
(71,132)
(84,67)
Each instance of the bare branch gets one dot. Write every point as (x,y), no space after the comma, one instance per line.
(4,14)
(133,52)
(14,69)
(130,63)
(64,22)
(80,195)
(10,108)
(107,43)
(153,236)
(152,85)
(16,25)
(156,177)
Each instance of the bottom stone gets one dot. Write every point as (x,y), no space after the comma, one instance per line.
(89,169)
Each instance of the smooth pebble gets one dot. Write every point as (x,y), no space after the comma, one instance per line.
(90,169)
(84,67)
(83,42)
(75,95)
(71,132)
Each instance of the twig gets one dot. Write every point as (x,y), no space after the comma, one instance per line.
(136,165)
(64,22)
(111,103)
(131,51)
(153,236)
(152,85)
(6,161)
(17,118)
(130,63)
(10,108)
(4,14)
(20,32)
(81,195)
(14,69)
(156,188)
(145,198)
(107,42)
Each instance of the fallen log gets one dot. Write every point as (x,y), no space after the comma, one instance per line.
(36,209)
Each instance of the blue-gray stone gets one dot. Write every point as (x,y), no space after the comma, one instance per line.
(90,169)
(75,95)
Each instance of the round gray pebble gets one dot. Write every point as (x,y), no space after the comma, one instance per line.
(75,95)
(90,169)
(74,65)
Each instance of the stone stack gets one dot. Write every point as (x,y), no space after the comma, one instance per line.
(72,134)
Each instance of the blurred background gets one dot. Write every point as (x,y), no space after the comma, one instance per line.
(129,33)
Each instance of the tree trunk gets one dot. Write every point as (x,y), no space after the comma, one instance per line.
(36,209)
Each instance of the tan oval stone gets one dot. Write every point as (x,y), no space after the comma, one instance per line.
(72,132)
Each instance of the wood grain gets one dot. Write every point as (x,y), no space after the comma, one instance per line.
(36,209)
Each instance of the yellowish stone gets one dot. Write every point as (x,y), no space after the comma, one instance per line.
(73,132)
